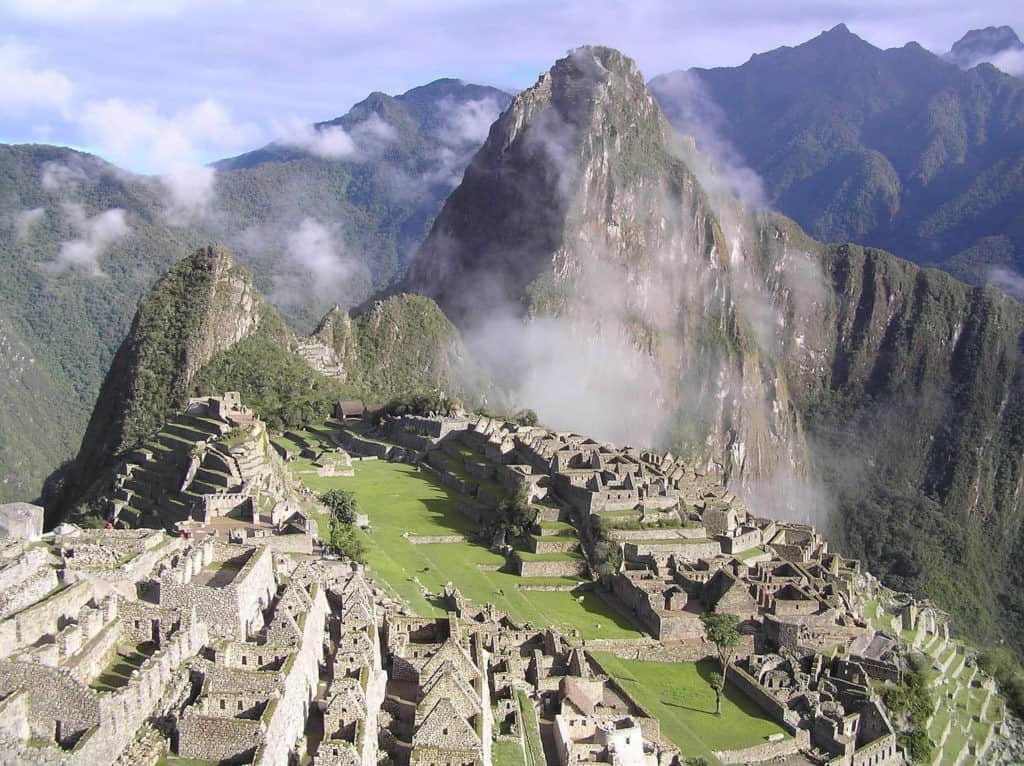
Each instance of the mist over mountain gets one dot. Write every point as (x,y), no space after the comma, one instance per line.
(603,268)
(325,216)
(998,46)
(897,149)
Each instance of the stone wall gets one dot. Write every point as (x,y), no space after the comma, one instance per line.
(53,696)
(235,610)
(776,710)
(41,619)
(95,654)
(231,740)
(566,568)
(14,714)
(287,721)
(766,751)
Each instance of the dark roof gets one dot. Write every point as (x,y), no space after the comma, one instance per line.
(351,408)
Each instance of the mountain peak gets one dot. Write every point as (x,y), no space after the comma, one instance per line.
(980,45)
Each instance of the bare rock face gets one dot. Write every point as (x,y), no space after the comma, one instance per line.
(584,206)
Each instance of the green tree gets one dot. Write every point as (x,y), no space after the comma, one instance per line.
(342,536)
(516,513)
(341,504)
(723,631)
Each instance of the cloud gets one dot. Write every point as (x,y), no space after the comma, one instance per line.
(1007,280)
(466,122)
(64,11)
(315,263)
(95,235)
(171,146)
(1010,61)
(62,177)
(688,105)
(25,86)
(331,142)
(362,141)
(25,220)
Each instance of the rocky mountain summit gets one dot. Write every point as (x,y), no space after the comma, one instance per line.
(895,148)
(986,44)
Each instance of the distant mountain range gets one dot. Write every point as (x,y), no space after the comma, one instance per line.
(898,149)
(327,218)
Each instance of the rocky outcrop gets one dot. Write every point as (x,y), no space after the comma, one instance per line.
(395,345)
(204,305)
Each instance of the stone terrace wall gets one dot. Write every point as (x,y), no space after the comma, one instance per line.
(288,719)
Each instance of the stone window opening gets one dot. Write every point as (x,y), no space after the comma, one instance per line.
(245,660)
(223,704)
(239,704)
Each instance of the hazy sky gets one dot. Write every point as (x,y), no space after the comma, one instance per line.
(148,84)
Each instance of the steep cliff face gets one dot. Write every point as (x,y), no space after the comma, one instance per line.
(204,305)
(581,206)
(814,376)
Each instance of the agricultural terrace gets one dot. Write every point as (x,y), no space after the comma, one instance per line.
(680,696)
(401,499)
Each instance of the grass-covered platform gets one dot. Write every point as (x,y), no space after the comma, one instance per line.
(399,499)
(681,697)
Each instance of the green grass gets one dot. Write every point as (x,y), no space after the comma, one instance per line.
(680,696)
(531,731)
(398,499)
(508,754)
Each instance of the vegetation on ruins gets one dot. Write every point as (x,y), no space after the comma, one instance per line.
(275,383)
(516,516)
(912,701)
(1003,666)
(422,402)
(721,629)
(342,536)
(606,551)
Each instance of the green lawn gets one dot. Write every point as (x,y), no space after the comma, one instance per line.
(398,498)
(680,696)
(508,754)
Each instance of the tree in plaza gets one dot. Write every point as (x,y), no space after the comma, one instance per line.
(723,631)
(342,536)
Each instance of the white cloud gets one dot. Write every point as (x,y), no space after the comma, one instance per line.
(331,142)
(59,177)
(467,122)
(1007,280)
(26,86)
(98,10)
(172,146)
(95,235)
(315,248)
(1011,62)
(25,220)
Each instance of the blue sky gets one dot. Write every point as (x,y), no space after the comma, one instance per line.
(152,85)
